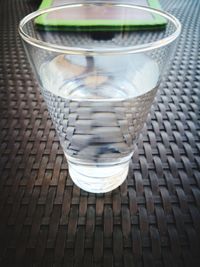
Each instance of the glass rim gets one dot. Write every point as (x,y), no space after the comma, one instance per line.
(99,50)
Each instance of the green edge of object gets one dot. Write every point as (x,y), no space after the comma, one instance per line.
(44,23)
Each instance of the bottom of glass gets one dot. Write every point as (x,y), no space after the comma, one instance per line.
(98,178)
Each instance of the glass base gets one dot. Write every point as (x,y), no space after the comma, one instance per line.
(98,178)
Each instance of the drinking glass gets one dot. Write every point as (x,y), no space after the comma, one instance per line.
(98,77)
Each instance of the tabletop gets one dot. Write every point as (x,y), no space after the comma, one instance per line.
(152,219)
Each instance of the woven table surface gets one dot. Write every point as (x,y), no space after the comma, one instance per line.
(153,219)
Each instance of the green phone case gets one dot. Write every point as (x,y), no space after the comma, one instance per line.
(44,22)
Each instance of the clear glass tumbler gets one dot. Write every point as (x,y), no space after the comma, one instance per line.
(98,69)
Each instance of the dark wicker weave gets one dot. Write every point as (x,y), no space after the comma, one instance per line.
(153,219)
